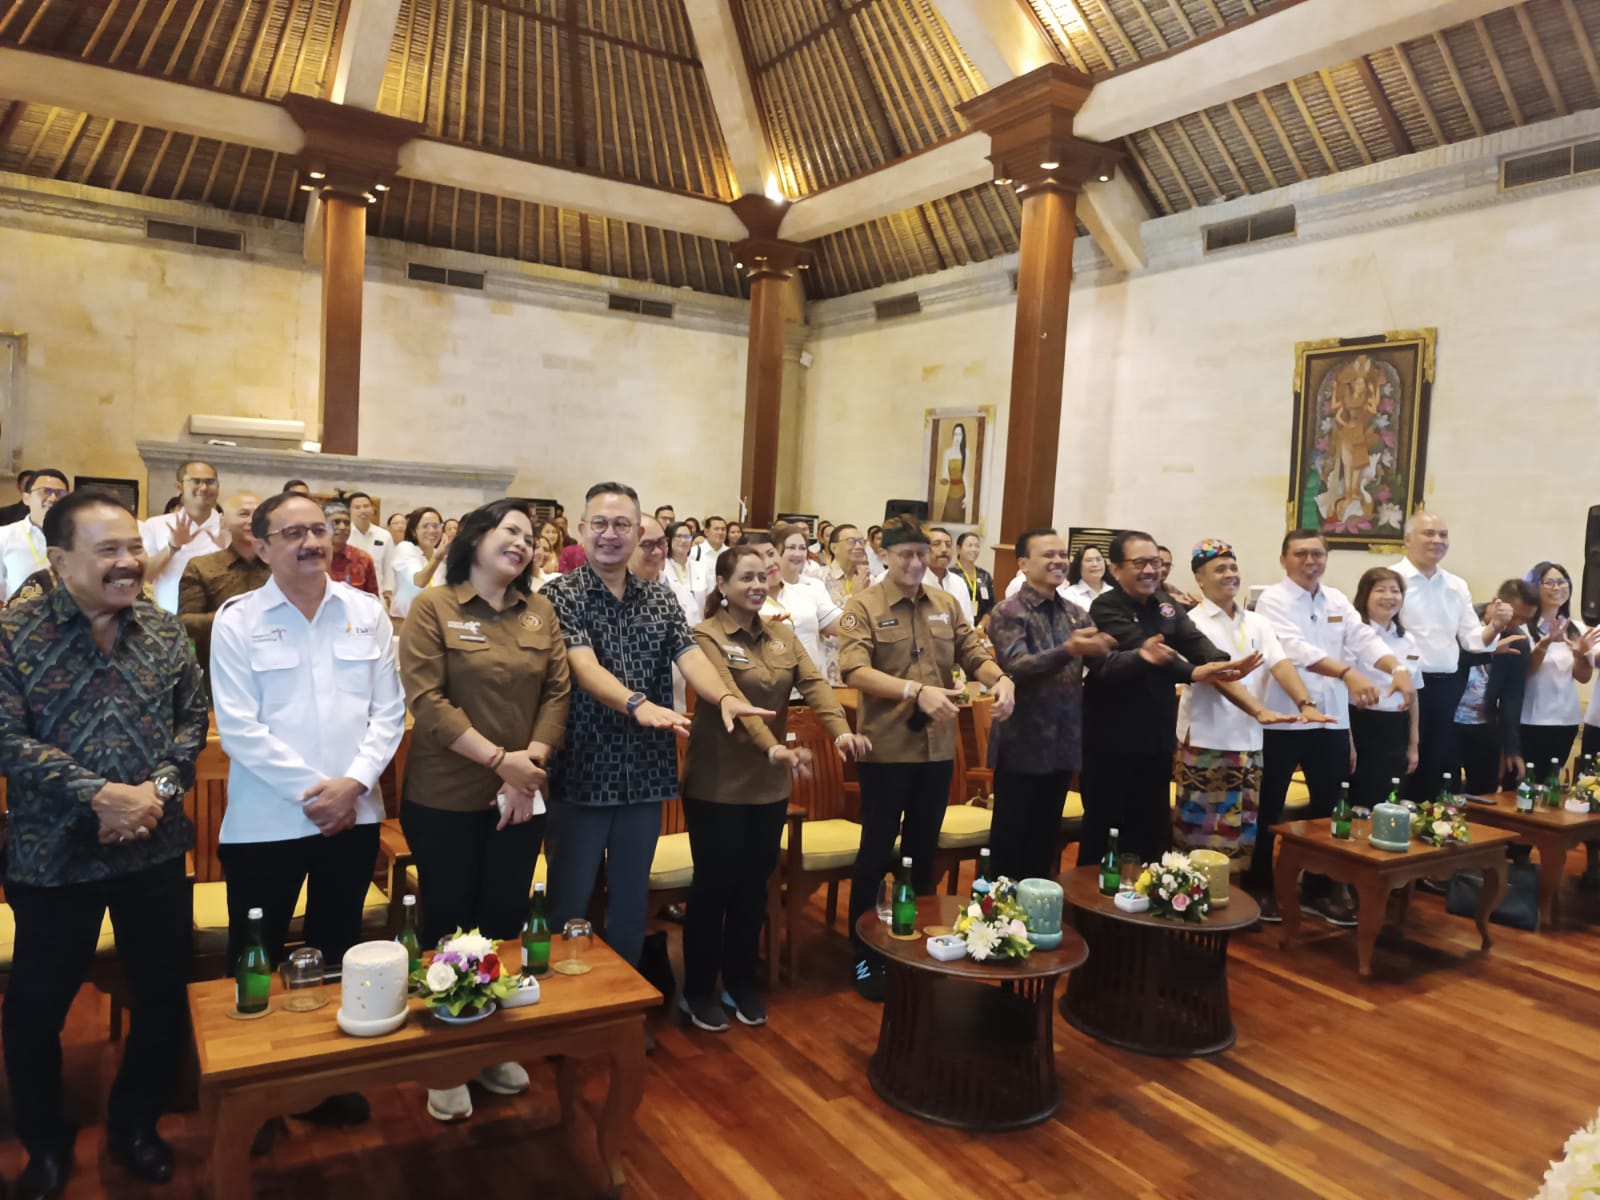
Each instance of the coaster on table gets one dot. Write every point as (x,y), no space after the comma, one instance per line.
(906,937)
(235,1015)
(571,968)
(938,930)
(307,1001)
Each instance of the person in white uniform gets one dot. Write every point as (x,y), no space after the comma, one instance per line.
(1385,734)
(1086,578)
(802,600)
(703,558)
(188,531)
(679,573)
(375,540)
(942,571)
(1563,657)
(22,547)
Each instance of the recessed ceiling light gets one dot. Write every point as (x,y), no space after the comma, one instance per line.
(306,187)
(1105,179)
(1001,182)
(738,266)
(1048,166)
(318,174)
(380,187)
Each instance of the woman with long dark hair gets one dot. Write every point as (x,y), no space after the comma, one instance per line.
(955,477)
(1384,734)
(1086,576)
(1562,658)
(417,558)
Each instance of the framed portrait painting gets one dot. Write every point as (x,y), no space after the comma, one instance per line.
(1360,436)
(957,443)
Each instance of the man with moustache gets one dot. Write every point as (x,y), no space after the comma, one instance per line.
(1130,704)
(192,529)
(347,563)
(1181,598)
(22,543)
(101,717)
(941,560)
(310,711)
(212,580)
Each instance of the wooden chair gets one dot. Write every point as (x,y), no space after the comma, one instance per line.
(969,817)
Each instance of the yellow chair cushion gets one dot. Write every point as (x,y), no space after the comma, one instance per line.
(964,825)
(541,874)
(826,845)
(211,914)
(1072,810)
(673,865)
(8,935)
(1298,798)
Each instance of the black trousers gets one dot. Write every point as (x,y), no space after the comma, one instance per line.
(152,914)
(1591,740)
(1027,821)
(1381,740)
(336,872)
(904,800)
(1480,758)
(735,849)
(1541,743)
(469,875)
(1437,751)
(1323,755)
(1131,793)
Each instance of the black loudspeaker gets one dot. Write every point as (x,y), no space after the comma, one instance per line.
(1591,568)
(905,508)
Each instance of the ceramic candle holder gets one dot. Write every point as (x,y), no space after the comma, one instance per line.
(1391,827)
(1215,864)
(1041,899)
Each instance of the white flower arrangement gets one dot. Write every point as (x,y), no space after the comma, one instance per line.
(993,924)
(1176,887)
(1576,1176)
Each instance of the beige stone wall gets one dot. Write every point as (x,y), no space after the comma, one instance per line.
(125,341)
(1178,387)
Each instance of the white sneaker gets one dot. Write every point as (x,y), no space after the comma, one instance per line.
(450,1104)
(506,1079)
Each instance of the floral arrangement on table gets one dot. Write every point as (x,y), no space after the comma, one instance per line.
(1440,824)
(994,924)
(463,973)
(1585,796)
(1177,889)
(1577,1176)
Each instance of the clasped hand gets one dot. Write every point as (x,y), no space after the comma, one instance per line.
(127,812)
(331,804)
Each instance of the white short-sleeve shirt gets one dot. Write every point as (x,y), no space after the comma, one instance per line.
(1551,697)
(157,535)
(1206,718)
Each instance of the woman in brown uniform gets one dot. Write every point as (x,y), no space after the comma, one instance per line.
(485,673)
(736,788)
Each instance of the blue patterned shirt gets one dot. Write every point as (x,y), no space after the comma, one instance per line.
(609,758)
(73,717)
(1045,733)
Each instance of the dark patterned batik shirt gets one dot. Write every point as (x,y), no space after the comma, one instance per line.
(73,717)
(609,758)
(1045,733)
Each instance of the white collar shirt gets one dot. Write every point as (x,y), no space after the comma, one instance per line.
(1079,593)
(157,535)
(21,554)
(1404,647)
(1312,626)
(1439,618)
(685,584)
(300,702)
(703,568)
(1207,719)
(809,609)
(380,546)
(1551,697)
(955,583)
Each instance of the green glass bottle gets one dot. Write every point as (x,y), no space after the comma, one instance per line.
(1111,869)
(252,982)
(536,936)
(985,872)
(904,921)
(1524,797)
(1341,814)
(1553,790)
(407,936)
(1447,794)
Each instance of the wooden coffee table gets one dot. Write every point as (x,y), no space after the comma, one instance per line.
(1552,832)
(965,1043)
(287,1062)
(1152,985)
(1374,873)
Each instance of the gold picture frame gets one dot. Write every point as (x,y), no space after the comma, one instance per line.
(957,451)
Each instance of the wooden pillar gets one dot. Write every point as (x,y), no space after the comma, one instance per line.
(1029,123)
(350,155)
(344,258)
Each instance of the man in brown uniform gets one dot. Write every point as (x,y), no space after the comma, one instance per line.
(211,580)
(898,642)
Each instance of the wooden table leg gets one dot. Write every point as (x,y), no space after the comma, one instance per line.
(623,1094)
(234,1125)
(1494,890)
(1374,897)
(1402,907)
(1552,867)
(567,1091)
(1286,890)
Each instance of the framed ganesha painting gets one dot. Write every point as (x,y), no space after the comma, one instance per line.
(1360,436)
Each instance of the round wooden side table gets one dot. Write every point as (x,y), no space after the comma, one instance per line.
(964,1043)
(1152,985)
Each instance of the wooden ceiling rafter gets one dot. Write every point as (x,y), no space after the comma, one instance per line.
(1580,37)
(1223,153)
(1276,122)
(1399,139)
(1115,25)
(1499,71)
(1255,146)
(1541,62)
(1292,87)
(1172,165)
(1199,160)
(1343,114)
(1150,23)
(1424,105)
(1152,184)
(1453,70)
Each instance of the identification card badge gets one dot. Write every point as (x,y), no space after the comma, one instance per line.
(889,623)
(1334,620)
(736,656)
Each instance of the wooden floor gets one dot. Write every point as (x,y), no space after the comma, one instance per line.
(1451,1075)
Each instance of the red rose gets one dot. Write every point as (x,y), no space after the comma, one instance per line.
(987,905)
(491,964)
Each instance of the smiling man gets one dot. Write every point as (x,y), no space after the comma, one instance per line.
(192,529)
(101,717)
(22,544)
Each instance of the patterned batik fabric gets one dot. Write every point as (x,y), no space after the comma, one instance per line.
(1217,796)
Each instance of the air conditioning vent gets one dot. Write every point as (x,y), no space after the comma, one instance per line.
(1542,166)
(1585,157)
(472,281)
(898,306)
(1262,227)
(640,306)
(189,235)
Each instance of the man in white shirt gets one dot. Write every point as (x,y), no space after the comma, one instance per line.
(310,711)
(22,548)
(1323,636)
(875,560)
(941,555)
(703,558)
(375,541)
(1438,615)
(190,530)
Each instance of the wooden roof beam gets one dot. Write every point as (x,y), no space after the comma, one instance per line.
(369,27)
(1001,37)
(716,38)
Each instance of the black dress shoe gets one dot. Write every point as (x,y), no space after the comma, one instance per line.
(142,1152)
(345,1109)
(45,1176)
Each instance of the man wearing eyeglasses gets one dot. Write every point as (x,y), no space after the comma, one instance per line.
(22,548)
(310,711)
(190,530)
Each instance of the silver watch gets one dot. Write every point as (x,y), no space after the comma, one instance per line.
(167,787)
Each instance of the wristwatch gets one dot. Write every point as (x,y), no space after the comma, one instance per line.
(167,787)
(634,701)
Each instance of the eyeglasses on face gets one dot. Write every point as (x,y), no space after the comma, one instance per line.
(654,545)
(622,527)
(1555,583)
(48,493)
(298,533)
(1143,564)
(206,481)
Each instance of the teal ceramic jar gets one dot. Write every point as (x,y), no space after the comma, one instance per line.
(1041,900)
(1391,827)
